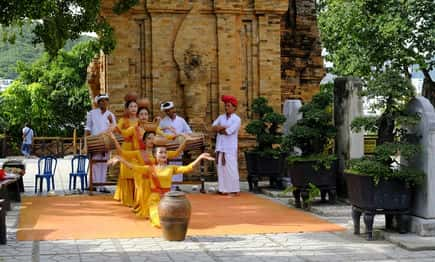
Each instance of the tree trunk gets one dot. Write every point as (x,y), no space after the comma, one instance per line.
(428,89)
(386,128)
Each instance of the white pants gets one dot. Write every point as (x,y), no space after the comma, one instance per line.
(228,174)
(99,170)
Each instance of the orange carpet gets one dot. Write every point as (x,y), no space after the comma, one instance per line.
(92,217)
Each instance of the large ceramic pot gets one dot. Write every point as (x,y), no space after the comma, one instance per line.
(386,195)
(389,197)
(174,213)
(259,166)
(304,173)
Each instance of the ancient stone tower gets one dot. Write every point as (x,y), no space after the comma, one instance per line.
(194,51)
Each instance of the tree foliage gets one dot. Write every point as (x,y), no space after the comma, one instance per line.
(60,20)
(51,94)
(23,49)
(362,36)
(265,127)
(312,133)
(392,92)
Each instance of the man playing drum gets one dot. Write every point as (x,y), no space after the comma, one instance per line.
(98,121)
(174,124)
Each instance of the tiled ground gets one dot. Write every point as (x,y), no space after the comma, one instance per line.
(342,246)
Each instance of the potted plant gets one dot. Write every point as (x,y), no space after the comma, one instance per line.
(382,183)
(315,164)
(266,159)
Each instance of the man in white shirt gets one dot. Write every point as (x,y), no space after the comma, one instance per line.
(174,124)
(100,120)
(227,128)
(27,140)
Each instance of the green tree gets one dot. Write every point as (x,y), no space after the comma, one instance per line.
(363,36)
(23,49)
(59,21)
(51,94)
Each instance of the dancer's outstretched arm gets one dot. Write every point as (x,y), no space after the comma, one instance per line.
(205,156)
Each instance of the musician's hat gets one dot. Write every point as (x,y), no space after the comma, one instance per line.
(166,105)
(101,96)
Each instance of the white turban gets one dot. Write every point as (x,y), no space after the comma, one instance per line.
(166,105)
(101,96)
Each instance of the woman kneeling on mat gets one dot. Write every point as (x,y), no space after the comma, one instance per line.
(160,176)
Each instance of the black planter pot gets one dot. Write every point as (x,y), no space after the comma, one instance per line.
(303,173)
(389,197)
(264,166)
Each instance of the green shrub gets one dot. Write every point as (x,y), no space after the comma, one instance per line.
(266,127)
(391,93)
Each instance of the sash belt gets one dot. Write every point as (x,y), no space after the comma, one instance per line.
(223,158)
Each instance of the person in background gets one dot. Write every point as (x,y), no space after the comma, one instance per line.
(98,121)
(174,124)
(125,187)
(26,147)
(227,128)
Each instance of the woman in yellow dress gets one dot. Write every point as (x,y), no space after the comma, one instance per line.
(145,157)
(160,177)
(125,187)
(135,134)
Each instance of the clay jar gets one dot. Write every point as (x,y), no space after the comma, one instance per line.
(174,213)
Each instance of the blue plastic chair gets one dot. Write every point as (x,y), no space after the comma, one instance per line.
(46,169)
(79,168)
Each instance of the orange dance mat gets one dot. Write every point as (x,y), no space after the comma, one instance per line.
(93,217)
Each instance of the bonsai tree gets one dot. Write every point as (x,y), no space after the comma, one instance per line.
(390,93)
(265,127)
(266,158)
(314,133)
(311,169)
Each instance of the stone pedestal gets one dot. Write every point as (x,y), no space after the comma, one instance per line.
(291,113)
(347,106)
(424,201)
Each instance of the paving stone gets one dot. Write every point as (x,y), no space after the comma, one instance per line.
(103,256)
(151,256)
(60,258)
(58,247)
(140,244)
(411,241)
(13,248)
(183,256)
(15,258)
(96,246)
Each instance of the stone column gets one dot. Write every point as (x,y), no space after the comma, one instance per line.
(423,222)
(347,106)
(291,113)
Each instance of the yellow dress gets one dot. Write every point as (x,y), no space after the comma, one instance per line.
(160,182)
(141,179)
(135,134)
(125,187)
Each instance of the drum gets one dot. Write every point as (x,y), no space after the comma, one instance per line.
(196,142)
(101,143)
